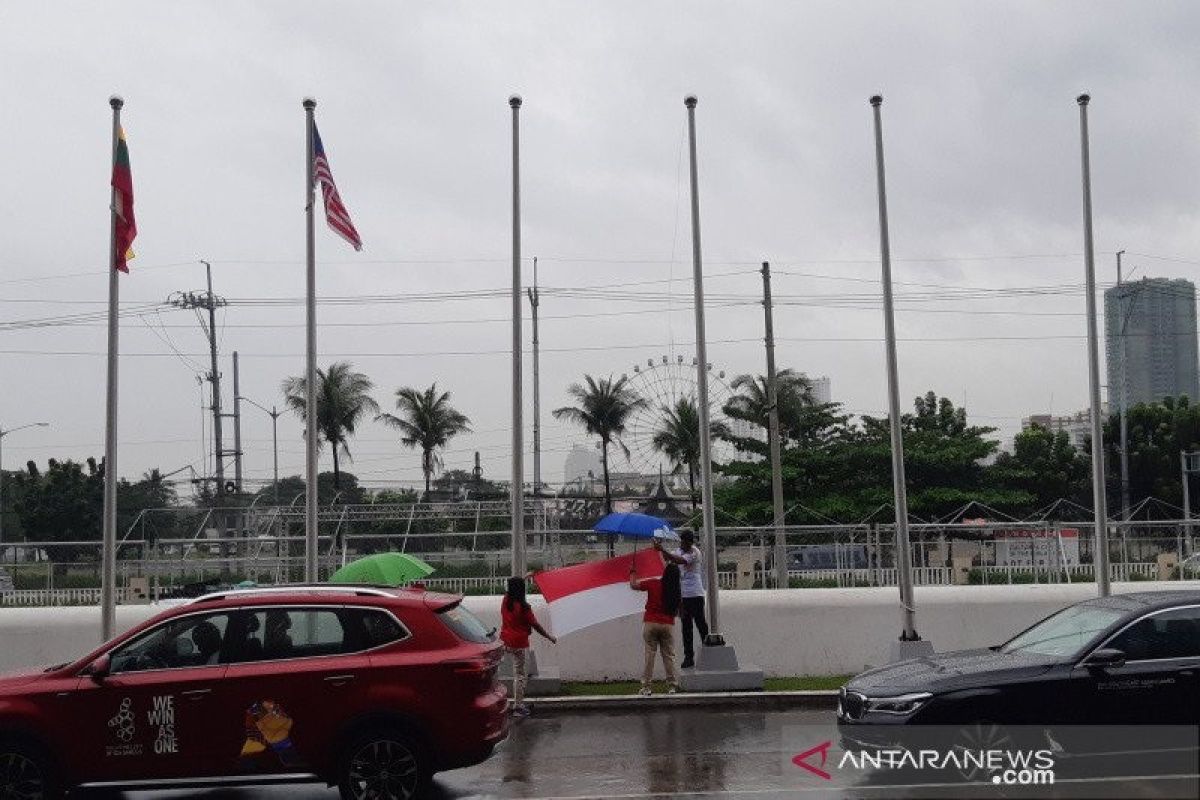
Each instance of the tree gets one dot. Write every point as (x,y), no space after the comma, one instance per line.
(63,504)
(343,400)
(1157,434)
(750,403)
(1045,466)
(678,438)
(428,421)
(603,407)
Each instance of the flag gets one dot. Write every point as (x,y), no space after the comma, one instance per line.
(587,594)
(124,226)
(335,210)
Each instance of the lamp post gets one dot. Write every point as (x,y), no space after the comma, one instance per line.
(4,433)
(274,414)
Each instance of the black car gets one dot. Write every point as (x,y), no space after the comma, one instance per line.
(1130,659)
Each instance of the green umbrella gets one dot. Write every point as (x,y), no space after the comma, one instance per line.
(382,569)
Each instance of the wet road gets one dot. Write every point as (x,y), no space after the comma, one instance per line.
(683,753)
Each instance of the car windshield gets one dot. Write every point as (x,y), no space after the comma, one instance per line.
(1065,633)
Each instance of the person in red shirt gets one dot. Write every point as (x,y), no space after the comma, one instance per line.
(663,596)
(516,623)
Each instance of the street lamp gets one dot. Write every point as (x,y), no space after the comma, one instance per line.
(4,433)
(274,414)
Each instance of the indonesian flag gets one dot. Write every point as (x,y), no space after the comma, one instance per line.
(587,594)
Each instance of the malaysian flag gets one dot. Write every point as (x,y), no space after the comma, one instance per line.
(335,210)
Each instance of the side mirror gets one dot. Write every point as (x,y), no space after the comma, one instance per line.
(1104,658)
(100,669)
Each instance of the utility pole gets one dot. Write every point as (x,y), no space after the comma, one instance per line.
(207,301)
(237,427)
(534,302)
(274,413)
(1123,390)
(781,566)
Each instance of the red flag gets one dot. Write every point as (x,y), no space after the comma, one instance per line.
(125,228)
(597,591)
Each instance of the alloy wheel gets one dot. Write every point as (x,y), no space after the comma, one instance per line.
(20,778)
(384,769)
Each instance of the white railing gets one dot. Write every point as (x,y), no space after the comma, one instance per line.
(63,597)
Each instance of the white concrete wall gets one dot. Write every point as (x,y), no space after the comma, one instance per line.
(792,632)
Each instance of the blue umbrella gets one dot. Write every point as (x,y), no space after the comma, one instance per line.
(637,526)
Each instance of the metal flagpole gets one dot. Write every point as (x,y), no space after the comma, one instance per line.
(899,491)
(1099,500)
(108,573)
(310,369)
(518,446)
(781,566)
(708,538)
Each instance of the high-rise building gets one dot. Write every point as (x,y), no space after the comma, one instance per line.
(1150,341)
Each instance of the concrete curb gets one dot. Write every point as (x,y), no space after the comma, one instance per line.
(600,704)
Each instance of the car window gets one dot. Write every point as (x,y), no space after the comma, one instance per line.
(1171,634)
(466,625)
(368,628)
(272,634)
(1066,633)
(192,641)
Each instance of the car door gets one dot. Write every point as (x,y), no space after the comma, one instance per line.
(298,680)
(1160,679)
(150,717)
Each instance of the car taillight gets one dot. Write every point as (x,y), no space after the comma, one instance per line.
(478,673)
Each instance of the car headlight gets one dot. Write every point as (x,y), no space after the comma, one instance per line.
(901,705)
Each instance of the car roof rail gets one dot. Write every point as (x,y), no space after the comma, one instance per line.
(292,588)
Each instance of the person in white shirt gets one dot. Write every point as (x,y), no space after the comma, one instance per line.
(691,609)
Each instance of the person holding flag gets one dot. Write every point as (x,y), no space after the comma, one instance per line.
(663,597)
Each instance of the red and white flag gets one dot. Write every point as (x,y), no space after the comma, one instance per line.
(335,210)
(587,594)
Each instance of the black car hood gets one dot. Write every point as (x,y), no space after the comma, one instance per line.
(946,672)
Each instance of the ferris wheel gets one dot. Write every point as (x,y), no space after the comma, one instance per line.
(662,382)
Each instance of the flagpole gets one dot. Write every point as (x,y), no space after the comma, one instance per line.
(708,518)
(518,439)
(1099,499)
(910,643)
(108,574)
(310,367)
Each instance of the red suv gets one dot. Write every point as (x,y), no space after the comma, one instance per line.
(372,690)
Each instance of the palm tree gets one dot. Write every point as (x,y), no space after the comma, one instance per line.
(342,402)
(795,391)
(602,407)
(427,420)
(678,438)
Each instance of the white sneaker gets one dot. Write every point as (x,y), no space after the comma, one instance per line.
(645,692)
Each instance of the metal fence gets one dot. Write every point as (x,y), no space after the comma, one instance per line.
(478,561)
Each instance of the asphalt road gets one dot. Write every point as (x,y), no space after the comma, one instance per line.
(693,753)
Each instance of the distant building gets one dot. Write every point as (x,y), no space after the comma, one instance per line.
(1150,341)
(583,464)
(821,389)
(1078,426)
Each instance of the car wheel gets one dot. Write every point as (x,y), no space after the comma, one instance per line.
(386,764)
(26,773)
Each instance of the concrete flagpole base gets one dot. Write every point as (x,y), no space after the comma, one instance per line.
(901,650)
(717,670)
(539,682)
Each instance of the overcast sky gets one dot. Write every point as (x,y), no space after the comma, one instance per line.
(982,147)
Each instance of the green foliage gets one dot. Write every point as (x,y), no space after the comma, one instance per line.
(1157,433)
(678,438)
(428,421)
(343,400)
(603,407)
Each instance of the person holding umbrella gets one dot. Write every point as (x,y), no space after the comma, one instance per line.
(658,622)
(516,623)
(691,609)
